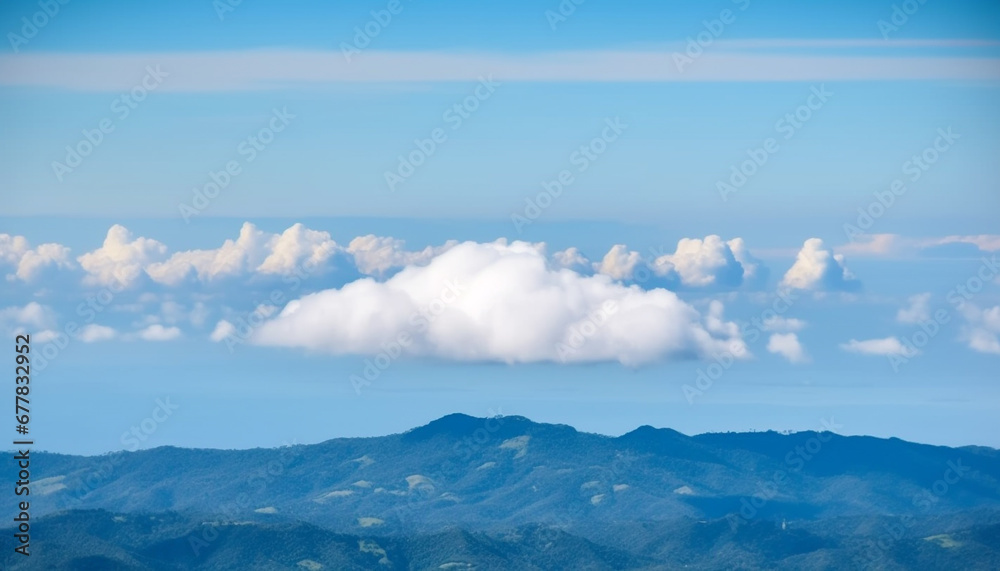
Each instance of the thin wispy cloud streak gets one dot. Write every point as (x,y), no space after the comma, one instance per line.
(265,69)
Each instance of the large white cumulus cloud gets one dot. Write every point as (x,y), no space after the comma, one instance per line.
(500,302)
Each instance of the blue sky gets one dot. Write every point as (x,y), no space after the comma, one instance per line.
(648,146)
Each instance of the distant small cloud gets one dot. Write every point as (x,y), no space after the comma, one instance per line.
(222,330)
(917,311)
(32,317)
(982,328)
(619,263)
(894,245)
(30,262)
(45,336)
(788,346)
(376,255)
(571,259)
(887,346)
(872,245)
(93,333)
(157,332)
(985,242)
(780,324)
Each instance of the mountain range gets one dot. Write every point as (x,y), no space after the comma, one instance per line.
(508,493)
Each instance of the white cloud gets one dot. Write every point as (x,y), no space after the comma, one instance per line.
(984,341)
(295,247)
(715,323)
(93,333)
(45,336)
(887,346)
(780,324)
(882,245)
(157,332)
(253,251)
(29,262)
(199,313)
(619,263)
(873,245)
(985,242)
(754,272)
(172,312)
(816,268)
(572,259)
(376,255)
(120,260)
(918,309)
(982,329)
(233,258)
(787,345)
(500,302)
(33,316)
(12,248)
(222,330)
(707,262)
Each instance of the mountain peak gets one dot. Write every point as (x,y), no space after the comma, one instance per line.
(455,424)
